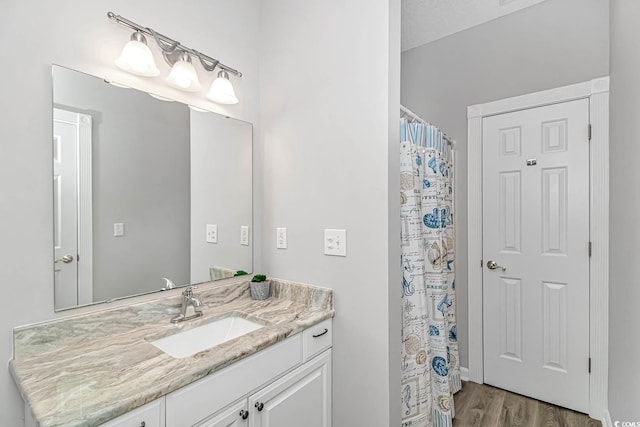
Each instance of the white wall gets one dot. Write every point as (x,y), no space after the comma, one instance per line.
(329,118)
(624,283)
(77,34)
(551,44)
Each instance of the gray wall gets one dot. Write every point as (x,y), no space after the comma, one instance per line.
(78,34)
(624,277)
(141,178)
(220,193)
(329,116)
(551,44)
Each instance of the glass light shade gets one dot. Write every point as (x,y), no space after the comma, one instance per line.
(183,75)
(222,90)
(136,58)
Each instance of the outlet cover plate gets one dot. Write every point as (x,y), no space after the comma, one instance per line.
(244,235)
(212,233)
(281,238)
(335,242)
(118,229)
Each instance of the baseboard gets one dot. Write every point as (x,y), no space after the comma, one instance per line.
(464,374)
(606,419)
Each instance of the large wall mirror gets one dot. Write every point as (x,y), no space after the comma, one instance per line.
(144,189)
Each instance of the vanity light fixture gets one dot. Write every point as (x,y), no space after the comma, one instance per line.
(222,90)
(136,58)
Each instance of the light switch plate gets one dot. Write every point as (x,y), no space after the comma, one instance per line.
(118,229)
(244,235)
(335,242)
(212,233)
(281,238)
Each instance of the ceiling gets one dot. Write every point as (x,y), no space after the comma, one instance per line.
(424,21)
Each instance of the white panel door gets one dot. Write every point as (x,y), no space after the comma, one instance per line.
(536,226)
(65,199)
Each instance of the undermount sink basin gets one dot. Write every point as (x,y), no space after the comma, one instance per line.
(190,342)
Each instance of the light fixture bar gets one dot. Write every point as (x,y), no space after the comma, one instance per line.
(169,45)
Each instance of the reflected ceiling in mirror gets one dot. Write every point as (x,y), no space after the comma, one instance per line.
(144,190)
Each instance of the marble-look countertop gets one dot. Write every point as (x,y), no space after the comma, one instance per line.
(87,369)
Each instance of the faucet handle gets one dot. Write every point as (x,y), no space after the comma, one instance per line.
(189,291)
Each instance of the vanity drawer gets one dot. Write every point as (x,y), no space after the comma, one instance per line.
(149,415)
(316,339)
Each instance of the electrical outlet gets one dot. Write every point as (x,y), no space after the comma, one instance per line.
(244,235)
(212,233)
(335,242)
(281,238)
(118,229)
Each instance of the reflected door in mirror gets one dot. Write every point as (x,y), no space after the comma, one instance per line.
(71,139)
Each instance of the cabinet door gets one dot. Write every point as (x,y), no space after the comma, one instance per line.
(235,416)
(300,398)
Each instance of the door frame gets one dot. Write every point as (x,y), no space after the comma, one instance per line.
(597,91)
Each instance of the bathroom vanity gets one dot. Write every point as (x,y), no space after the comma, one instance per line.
(107,368)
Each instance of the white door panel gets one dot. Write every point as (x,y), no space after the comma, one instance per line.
(536,225)
(65,195)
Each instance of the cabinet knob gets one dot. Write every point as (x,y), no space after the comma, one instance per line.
(143,424)
(244,414)
(259,406)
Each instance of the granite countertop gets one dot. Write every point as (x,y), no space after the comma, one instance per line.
(88,369)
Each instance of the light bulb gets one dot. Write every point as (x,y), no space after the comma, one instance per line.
(136,58)
(222,90)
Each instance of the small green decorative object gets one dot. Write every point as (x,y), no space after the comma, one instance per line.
(240,273)
(260,287)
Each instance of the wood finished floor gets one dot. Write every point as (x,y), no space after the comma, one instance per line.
(485,406)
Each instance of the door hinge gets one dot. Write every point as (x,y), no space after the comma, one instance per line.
(589,131)
(589,365)
(590,245)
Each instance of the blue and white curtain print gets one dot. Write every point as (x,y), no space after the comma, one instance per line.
(430,365)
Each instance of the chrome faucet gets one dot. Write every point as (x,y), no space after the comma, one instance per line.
(188,299)
(168,284)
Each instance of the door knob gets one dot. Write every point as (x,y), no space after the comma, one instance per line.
(66,259)
(259,406)
(244,414)
(492,265)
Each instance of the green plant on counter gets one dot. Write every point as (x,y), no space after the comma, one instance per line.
(259,278)
(240,273)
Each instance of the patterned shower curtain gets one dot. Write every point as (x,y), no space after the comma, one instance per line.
(430,366)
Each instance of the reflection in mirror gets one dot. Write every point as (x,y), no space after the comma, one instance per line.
(144,190)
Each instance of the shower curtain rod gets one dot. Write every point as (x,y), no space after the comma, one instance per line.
(408,112)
